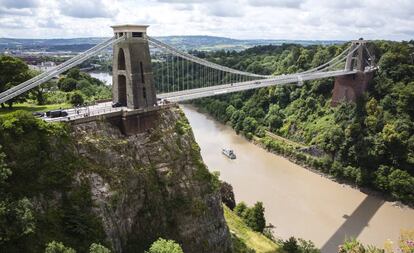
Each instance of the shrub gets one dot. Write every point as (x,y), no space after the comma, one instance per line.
(67,84)
(240,209)
(97,248)
(58,247)
(165,246)
(76,98)
(253,216)
(293,245)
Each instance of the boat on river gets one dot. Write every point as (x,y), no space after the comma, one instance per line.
(229,153)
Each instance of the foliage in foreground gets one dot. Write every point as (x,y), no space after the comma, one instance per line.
(252,216)
(165,246)
(58,247)
(405,245)
(293,245)
(245,240)
(46,167)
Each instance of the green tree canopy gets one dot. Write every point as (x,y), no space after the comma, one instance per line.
(58,247)
(97,248)
(165,246)
(67,84)
(76,98)
(13,71)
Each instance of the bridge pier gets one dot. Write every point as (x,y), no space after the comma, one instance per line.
(132,78)
(349,87)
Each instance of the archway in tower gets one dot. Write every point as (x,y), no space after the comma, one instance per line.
(121,59)
(122,91)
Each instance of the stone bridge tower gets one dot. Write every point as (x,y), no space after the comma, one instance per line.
(132,78)
(349,87)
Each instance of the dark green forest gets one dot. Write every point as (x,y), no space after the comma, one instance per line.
(369,143)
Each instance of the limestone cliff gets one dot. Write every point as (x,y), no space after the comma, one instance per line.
(151,184)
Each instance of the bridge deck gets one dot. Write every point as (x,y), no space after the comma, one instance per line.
(229,88)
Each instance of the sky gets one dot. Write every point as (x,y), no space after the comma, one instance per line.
(239,19)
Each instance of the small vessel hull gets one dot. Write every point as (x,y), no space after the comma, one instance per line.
(229,153)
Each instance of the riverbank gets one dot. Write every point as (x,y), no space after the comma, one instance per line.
(369,191)
(298,202)
(320,165)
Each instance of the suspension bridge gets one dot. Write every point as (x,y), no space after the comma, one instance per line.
(146,70)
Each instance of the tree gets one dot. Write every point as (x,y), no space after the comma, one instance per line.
(13,71)
(291,245)
(58,247)
(254,217)
(401,184)
(240,209)
(39,92)
(97,248)
(274,118)
(227,195)
(249,125)
(165,246)
(67,84)
(332,139)
(86,88)
(76,98)
(74,73)
(16,217)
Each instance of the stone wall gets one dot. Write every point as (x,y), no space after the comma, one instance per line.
(349,87)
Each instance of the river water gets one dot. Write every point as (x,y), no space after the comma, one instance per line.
(298,202)
(105,77)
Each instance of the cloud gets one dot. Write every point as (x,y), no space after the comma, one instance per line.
(49,23)
(243,19)
(13,23)
(19,4)
(87,9)
(341,5)
(225,9)
(17,8)
(184,1)
(184,7)
(15,12)
(276,3)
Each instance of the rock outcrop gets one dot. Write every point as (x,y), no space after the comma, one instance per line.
(152,184)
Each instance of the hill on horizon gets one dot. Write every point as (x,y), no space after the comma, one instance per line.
(184,42)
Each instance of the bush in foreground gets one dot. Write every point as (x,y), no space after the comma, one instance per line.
(165,246)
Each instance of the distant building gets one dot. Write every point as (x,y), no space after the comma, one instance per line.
(43,66)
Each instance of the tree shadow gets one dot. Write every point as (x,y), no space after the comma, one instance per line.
(354,223)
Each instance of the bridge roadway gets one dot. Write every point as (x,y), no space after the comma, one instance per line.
(86,111)
(229,88)
(106,107)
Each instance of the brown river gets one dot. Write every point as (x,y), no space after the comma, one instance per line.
(298,202)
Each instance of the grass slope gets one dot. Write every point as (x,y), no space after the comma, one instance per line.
(33,107)
(246,240)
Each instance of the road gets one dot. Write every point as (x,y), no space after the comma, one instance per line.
(86,111)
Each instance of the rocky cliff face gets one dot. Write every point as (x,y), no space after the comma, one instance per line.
(153,184)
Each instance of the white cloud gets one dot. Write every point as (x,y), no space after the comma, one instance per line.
(277,3)
(276,19)
(225,9)
(88,8)
(19,4)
